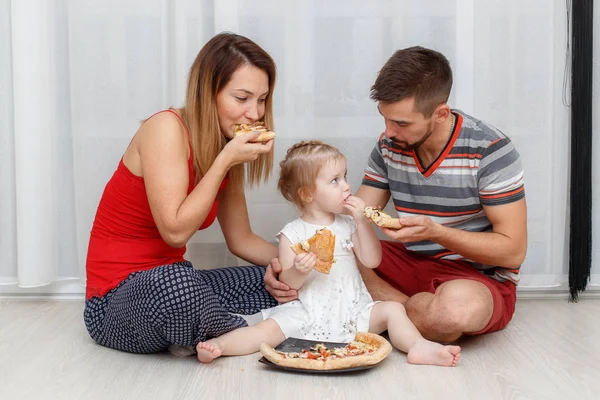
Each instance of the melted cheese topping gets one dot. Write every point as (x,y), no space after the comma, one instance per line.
(321,352)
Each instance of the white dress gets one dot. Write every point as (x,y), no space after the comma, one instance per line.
(329,307)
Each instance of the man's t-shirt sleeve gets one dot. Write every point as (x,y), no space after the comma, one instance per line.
(500,174)
(376,174)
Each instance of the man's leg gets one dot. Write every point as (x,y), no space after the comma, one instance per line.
(394,278)
(457,307)
(380,289)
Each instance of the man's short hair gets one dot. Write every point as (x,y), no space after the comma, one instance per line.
(414,72)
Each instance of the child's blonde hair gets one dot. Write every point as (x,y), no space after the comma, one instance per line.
(300,167)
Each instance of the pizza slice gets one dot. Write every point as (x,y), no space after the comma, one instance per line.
(322,244)
(381,218)
(259,126)
(366,349)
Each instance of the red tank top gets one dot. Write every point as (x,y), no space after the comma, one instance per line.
(124,237)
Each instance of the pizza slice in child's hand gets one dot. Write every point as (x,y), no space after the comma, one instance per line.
(321,244)
(265,133)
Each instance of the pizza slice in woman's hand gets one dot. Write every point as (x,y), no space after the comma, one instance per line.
(259,126)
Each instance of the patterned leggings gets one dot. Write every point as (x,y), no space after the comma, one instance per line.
(175,304)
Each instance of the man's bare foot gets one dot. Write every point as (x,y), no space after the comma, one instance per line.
(431,353)
(208,351)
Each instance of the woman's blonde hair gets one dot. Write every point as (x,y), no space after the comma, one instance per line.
(300,168)
(210,72)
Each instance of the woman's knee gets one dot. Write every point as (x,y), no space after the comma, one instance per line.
(181,289)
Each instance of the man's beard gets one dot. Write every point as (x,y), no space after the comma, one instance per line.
(405,146)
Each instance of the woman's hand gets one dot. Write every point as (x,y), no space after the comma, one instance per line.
(240,150)
(279,290)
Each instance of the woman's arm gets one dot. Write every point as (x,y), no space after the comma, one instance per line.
(279,290)
(163,151)
(235,224)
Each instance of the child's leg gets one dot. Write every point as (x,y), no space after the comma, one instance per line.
(404,335)
(241,341)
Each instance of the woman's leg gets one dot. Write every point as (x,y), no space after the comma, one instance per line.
(241,341)
(153,309)
(241,290)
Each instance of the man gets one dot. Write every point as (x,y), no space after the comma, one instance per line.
(457,185)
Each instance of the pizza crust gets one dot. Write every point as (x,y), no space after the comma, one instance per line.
(381,218)
(383,348)
(264,136)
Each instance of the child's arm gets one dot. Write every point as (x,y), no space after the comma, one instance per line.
(367,245)
(295,267)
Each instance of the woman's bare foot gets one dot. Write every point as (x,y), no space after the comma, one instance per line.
(431,353)
(208,351)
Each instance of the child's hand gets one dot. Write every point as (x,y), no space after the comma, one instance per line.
(305,262)
(356,207)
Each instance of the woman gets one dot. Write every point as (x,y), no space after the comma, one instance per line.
(182,169)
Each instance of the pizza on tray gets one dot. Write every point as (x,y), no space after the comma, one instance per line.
(264,136)
(322,244)
(365,350)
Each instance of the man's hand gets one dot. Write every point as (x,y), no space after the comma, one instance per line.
(355,207)
(279,290)
(414,229)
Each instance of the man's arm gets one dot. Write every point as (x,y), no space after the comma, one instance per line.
(505,246)
(372,196)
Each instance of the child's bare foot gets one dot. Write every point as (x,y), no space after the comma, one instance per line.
(431,353)
(208,351)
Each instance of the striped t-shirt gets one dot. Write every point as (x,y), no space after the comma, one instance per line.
(479,166)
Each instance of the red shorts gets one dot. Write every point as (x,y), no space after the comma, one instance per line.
(411,273)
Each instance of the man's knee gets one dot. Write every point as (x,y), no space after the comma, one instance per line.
(456,307)
(468,305)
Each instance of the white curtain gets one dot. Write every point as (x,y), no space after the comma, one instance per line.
(77,77)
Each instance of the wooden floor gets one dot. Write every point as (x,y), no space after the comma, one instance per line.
(551,350)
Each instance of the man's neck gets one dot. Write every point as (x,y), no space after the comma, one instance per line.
(432,148)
